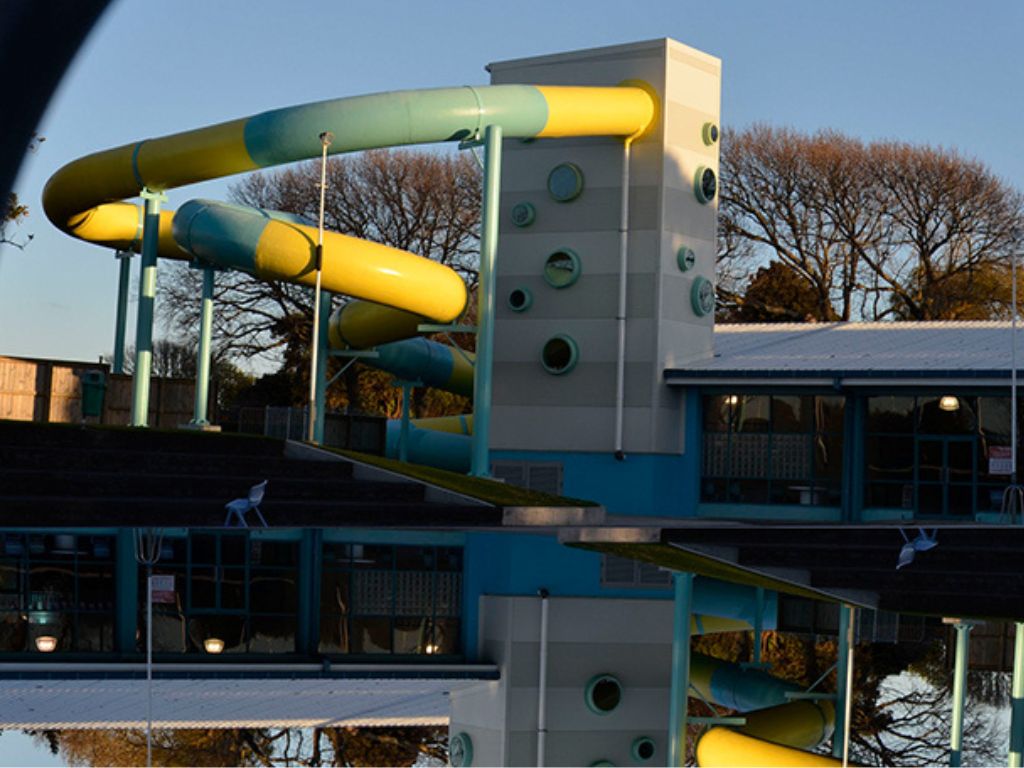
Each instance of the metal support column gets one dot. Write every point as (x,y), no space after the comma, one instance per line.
(124,259)
(842,673)
(480,463)
(403,437)
(1017,701)
(758,625)
(680,668)
(320,374)
(202,400)
(147,302)
(956,735)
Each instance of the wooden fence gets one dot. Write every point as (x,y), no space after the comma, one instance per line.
(51,390)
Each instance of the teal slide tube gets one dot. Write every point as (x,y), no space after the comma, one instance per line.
(443,450)
(423,359)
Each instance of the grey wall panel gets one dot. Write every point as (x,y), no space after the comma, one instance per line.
(572,664)
(596,210)
(589,384)
(522,340)
(596,296)
(524,252)
(567,710)
(527,164)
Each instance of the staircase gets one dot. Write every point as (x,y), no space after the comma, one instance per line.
(61,475)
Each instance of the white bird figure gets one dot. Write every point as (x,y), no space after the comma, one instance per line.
(920,543)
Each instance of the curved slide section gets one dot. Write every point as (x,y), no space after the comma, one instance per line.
(778,731)
(82,197)
(399,289)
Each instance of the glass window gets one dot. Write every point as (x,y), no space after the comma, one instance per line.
(233,593)
(892,414)
(778,449)
(56,593)
(391,599)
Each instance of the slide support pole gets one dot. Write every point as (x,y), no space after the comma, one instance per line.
(1017,701)
(147,302)
(403,439)
(842,659)
(203,352)
(683,583)
(480,462)
(323,355)
(956,735)
(124,259)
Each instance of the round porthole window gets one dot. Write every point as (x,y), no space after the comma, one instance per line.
(523,214)
(460,750)
(603,694)
(562,268)
(520,299)
(685,258)
(559,355)
(702,297)
(709,133)
(643,749)
(705,185)
(565,182)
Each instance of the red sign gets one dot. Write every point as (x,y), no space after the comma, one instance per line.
(161,588)
(1000,460)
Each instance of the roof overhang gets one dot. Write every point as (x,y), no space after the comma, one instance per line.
(87,696)
(974,572)
(836,379)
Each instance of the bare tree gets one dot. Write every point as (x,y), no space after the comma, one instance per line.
(425,203)
(873,231)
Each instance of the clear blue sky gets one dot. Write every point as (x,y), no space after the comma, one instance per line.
(944,73)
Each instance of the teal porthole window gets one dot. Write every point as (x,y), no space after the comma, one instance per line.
(523,214)
(643,749)
(559,354)
(705,185)
(702,297)
(520,299)
(565,182)
(709,133)
(603,694)
(685,258)
(562,268)
(460,750)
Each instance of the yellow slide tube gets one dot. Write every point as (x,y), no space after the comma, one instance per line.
(725,748)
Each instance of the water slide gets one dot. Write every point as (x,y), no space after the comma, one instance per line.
(396,291)
(778,731)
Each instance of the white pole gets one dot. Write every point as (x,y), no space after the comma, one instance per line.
(542,681)
(848,704)
(149,667)
(1013,377)
(325,141)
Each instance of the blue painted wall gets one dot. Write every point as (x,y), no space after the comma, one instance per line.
(520,564)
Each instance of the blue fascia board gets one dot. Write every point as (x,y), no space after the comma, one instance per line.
(685,374)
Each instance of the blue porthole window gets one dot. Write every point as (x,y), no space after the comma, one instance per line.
(559,355)
(603,694)
(562,268)
(565,182)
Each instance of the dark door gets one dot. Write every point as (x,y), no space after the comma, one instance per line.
(945,476)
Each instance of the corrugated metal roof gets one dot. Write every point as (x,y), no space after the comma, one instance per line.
(884,348)
(220,703)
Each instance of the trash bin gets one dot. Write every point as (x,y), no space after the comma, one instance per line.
(94,389)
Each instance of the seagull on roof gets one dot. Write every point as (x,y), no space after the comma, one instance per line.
(920,543)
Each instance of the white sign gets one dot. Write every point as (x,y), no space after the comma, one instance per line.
(161,588)
(1000,461)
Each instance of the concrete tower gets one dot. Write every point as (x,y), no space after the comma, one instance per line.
(557,334)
